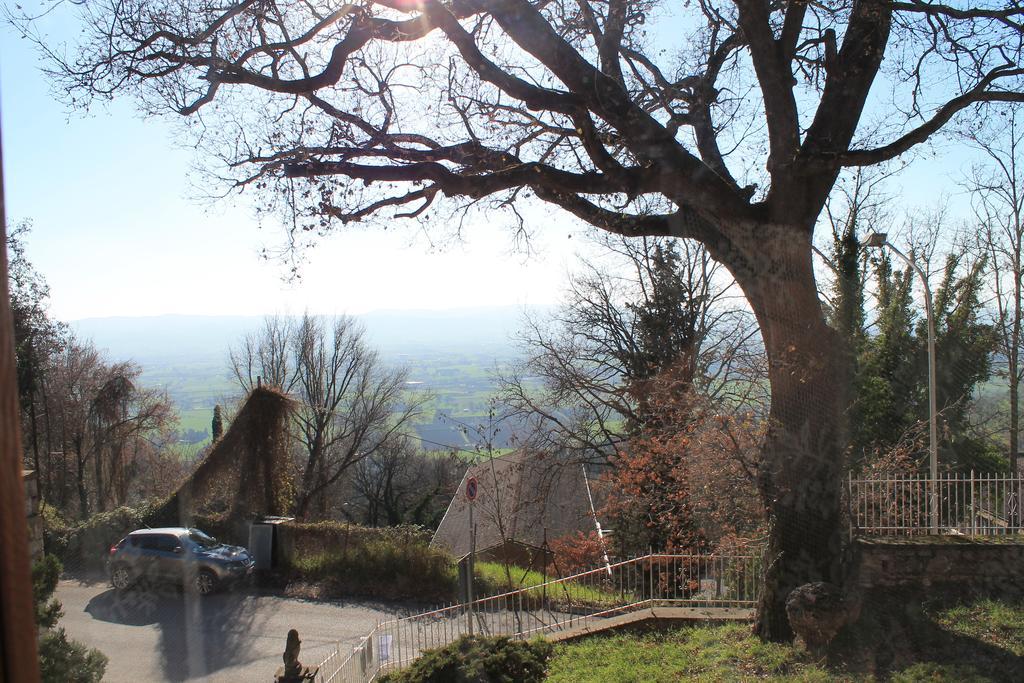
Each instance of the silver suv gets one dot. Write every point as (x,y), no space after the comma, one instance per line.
(176,555)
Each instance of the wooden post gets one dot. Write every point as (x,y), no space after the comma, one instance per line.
(17,614)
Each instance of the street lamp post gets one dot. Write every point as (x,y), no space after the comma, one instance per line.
(879,239)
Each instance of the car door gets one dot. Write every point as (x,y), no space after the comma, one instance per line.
(170,557)
(146,556)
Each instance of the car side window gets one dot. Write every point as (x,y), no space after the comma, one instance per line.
(167,544)
(160,542)
(148,542)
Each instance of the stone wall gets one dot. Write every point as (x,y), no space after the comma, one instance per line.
(944,562)
(35,522)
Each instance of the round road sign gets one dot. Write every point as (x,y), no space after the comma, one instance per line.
(471,489)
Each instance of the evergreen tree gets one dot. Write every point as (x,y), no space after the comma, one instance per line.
(60,660)
(963,349)
(891,382)
(651,505)
(666,320)
(217,425)
(890,367)
(667,339)
(847,314)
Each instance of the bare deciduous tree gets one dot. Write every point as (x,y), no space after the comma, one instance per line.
(400,484)
(351,405)
(997,194)
(123,417)
(582,385)
(112,427)
(266,356)
(729,126)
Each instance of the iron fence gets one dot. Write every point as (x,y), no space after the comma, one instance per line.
(969,504)
(706,582)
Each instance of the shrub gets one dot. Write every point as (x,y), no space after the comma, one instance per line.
(384,568)
(304,539)
(576,553)
(85,546)
(55,525)
(68,661)
(60,660)
(45,574)
(480,660)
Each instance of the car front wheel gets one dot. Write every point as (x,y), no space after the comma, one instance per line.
(120,577)
(205,582)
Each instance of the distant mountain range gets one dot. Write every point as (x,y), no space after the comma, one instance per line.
(392,331)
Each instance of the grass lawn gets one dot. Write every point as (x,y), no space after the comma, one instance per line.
(997,623)
(701,653)
(492,576)
(492,579)
(972,642)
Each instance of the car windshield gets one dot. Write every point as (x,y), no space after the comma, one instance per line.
(202,540)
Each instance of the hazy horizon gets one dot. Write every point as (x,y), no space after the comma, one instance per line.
(392,331)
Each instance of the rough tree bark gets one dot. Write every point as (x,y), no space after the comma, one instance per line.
(803,452)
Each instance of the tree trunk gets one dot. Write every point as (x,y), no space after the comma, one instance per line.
(83,494)
(98,470)
(1014,369)
(310,471)
(48,426)
(32,416)
(802,456)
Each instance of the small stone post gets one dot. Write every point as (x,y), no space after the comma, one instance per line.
(293,671)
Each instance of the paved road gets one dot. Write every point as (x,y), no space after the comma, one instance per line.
(168,635)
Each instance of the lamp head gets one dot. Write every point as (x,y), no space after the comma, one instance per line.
(876,239)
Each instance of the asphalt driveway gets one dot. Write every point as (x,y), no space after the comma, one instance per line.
(171,635)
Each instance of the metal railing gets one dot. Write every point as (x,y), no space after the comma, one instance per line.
(362,664)
(580,601)
(969,504)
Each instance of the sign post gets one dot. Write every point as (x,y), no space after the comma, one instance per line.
(472,487)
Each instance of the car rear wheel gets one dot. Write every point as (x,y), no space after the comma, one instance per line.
(205,582)
(120,577)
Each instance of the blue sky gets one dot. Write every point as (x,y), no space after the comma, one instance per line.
(116,232)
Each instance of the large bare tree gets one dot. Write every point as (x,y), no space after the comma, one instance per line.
(350,404)
(723,121)
(997,193)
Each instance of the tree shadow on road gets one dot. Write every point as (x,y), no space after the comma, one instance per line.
(199,635)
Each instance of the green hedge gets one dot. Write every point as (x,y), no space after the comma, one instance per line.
(84,546)
(391,568)
(306,539)
(480,660)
